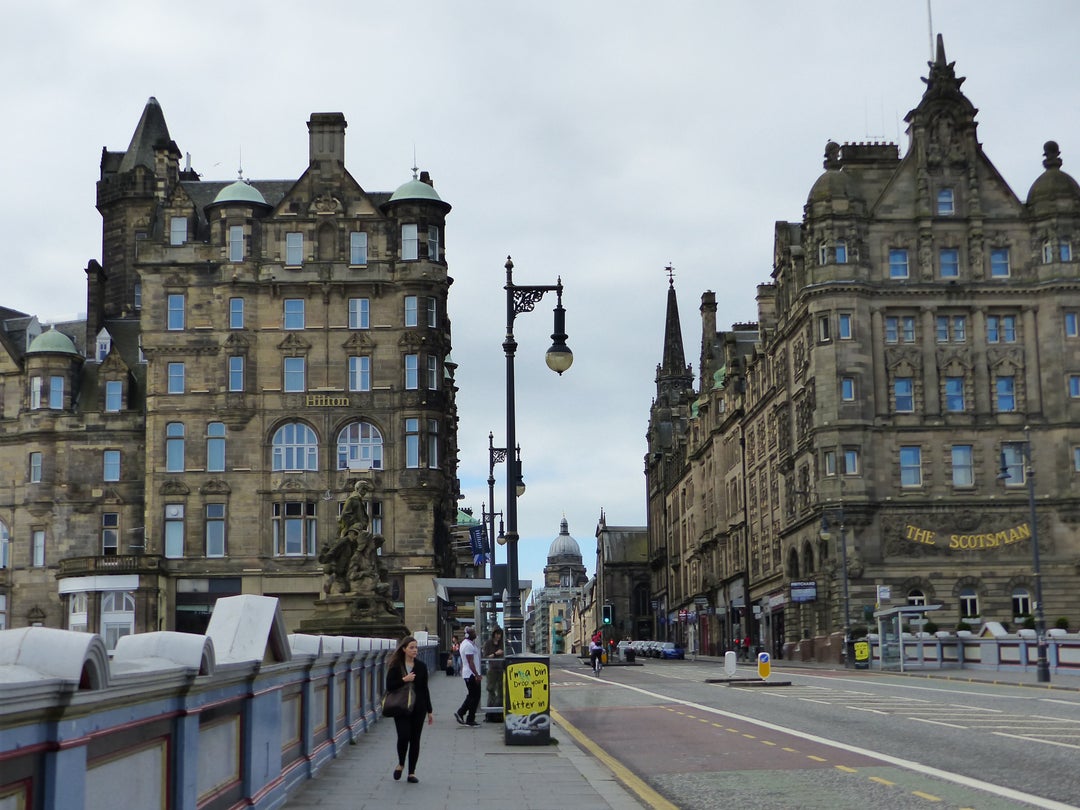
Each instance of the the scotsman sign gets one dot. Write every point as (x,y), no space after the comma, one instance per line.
(967,542)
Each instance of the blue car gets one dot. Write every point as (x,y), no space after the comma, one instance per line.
(669,649)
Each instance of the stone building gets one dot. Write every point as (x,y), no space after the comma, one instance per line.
(870,440)
(250,350)
(551,613)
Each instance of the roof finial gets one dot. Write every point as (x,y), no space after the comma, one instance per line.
(240,166)
(670,270)
(415,168)
(1051,155)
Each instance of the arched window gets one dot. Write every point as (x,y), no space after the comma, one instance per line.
(916,597)
(117,616)
(359,447)
(969,603)
(295,448)
(1021,603)
(793,564)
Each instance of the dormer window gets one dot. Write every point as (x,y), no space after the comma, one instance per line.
(945,204)
(177,230)
(104,345)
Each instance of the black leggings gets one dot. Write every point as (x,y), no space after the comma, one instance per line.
(409,729)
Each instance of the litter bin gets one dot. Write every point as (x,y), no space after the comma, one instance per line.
(527,700)
(628,655)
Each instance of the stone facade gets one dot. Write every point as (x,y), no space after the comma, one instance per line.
(918,337)
(250,350)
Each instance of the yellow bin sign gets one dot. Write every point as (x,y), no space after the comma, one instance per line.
(764,665)
(527,701)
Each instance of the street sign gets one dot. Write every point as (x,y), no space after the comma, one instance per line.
(764,665)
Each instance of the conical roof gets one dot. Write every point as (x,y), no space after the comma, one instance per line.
(150,133)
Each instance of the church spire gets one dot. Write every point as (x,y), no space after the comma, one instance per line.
(672,375)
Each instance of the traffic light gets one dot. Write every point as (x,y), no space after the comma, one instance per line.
(608,615)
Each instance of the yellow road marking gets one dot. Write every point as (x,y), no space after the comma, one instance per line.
(633,783)
(750,736)
(928,796)
(767,742)
(846,769)
(790,750)
(816,759)
(881,781)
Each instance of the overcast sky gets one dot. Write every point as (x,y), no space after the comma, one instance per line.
(598,141)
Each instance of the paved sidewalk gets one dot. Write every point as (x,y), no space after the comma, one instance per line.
(463,768)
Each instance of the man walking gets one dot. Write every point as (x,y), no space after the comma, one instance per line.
(470,671)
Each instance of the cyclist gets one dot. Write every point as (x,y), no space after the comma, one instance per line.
(596,652)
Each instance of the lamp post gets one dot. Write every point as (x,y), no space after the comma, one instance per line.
(497,455)
(1042,664)
(825,535)
(559,358)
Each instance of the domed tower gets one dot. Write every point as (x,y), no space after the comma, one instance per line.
(1053,203)
(564,568)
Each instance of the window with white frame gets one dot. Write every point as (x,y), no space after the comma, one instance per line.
(110,465)
(295,448)
(56,393)
(358,248)
(969,603)
(176,378)
(951,328)
(1072,324)
(945,203)
(1065,250)
(78,611)
(174,530)
(110,533)
(411,306)
(293,316)
(410,242)
(177,230)
(898,263)
(904,394)
(1001,328)
(847,389)
(916,598)
(1012,464)
(432,373)
(954,395)
(294,375)
(117,616)
(36,389)
(412,443)
(215,447)
(433,243)
(136,295)
(433,443)
(236,313)
(412,372)
(114,396)
(215,530)
(294,249)
(911,466)
(1005,393)
(824,332)
(1047,251)
(360,447)
(851,461)
(359,313)
(1021,603)
(295,527)
(360,373)
(828,462)
(1076,459)
(999,263)
(963,465)
(103,346)
(949,263)
(430,309)
(1074,386)
(236,373)
(37,548)
(823,253)
(236,243)
(174,447)
(899,328)
(35,468)
(175,312)
(5,545)
(841,251)
(845,326)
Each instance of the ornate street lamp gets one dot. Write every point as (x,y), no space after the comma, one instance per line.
(559,358)
(1042,664)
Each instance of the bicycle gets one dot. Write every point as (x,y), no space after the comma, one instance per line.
(597,663)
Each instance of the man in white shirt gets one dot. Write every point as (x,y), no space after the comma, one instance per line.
(470,671)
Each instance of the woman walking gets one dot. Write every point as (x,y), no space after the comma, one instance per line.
(402,668)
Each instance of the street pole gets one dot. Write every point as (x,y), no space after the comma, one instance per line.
(559,358)
(1042,665)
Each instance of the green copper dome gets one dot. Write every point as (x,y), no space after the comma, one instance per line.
(52,342)
(416,190)
(240,192)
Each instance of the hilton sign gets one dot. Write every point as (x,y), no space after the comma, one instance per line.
(324,401)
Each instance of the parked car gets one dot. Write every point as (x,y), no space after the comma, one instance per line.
(653,650)
(669,649)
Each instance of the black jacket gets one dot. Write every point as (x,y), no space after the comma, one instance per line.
(420,685)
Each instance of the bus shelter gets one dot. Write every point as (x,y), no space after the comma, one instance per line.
(890,626)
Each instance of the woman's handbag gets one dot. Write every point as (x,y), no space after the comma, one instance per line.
(399,702)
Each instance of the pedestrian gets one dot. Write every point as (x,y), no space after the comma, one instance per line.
(746,647)
(493,656)
(456,650)
(470,671)
(596,652)
(403,667)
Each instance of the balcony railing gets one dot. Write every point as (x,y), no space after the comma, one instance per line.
(112,564)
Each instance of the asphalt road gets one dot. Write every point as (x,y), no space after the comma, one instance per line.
(829,739)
